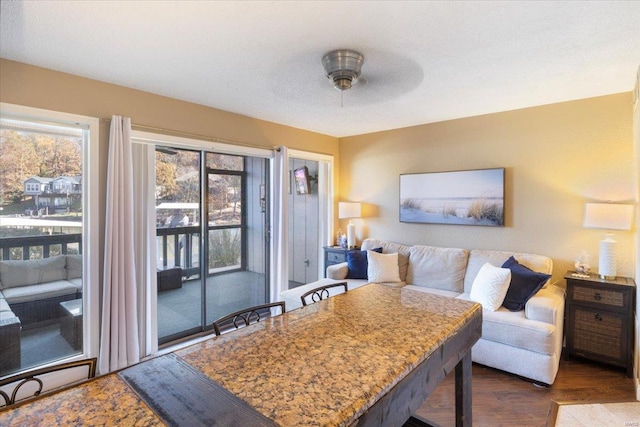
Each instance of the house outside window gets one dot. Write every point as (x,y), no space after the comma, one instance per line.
(49,231)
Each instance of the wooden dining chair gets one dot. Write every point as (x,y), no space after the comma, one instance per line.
(246,316)
(321,292)
(34,383)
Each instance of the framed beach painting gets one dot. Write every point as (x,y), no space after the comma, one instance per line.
(472,197)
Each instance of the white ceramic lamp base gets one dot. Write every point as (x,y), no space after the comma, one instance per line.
(351,235)
(607,258)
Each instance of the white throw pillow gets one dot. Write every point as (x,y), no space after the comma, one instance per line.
(490,286)
(382,267)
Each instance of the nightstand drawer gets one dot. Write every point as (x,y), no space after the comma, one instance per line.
(604,297)
(598,332)
(336,257)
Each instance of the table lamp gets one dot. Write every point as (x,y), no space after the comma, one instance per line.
(609,216)
(350,210)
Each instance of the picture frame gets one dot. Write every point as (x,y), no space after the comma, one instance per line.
(302,180)
(468,197)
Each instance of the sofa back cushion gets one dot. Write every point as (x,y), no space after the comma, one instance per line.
(438,268)
(479,257)
(391,248)
(74,267)
(32,272)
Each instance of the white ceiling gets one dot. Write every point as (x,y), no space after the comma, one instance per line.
(424,61)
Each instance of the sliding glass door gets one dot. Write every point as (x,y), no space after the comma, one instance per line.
(221,197)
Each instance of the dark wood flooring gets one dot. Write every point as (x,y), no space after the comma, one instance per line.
(501,399)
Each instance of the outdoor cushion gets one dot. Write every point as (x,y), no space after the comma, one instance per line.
(4,305)
(32,272)
(42,291)
(74,266)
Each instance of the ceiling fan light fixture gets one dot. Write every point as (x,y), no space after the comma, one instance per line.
(343,67)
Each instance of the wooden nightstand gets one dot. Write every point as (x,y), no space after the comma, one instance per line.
(334,255)
(600,319)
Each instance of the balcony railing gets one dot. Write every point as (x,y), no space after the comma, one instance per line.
(177,247)
(31,245)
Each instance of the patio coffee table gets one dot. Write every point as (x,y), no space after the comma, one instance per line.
(71,322)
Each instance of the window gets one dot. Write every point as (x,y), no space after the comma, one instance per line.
(46,227)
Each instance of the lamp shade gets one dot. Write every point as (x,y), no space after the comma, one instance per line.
(349,210)
(609,216)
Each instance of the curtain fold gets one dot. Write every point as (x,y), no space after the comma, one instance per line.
(144,184)
(279,227)
(119,344)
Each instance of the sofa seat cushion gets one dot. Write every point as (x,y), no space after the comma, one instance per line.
(291,297)
(434,291)
(42,291)
(32,272)
(439,268)
(391,248)
(514,329)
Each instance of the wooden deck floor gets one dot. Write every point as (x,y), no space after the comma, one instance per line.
(501,399)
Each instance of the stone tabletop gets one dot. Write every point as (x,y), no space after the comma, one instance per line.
(325,364)
(105,401)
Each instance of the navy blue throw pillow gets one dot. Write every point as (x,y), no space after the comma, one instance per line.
(524,284)
(357,263)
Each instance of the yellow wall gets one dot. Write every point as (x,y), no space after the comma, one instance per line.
(557,157)
(31,86)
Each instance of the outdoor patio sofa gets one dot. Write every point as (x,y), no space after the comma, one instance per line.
(30,294)
(526,342)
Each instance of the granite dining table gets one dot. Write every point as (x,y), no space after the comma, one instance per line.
(368,357)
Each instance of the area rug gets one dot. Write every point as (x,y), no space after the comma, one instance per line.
(595,414)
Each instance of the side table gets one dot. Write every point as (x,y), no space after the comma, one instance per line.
(600,319)
(71,322)
(335,255)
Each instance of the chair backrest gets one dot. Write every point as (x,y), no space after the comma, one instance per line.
(30,384)
(321,292)
(246,316)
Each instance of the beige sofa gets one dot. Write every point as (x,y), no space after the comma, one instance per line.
(30,293)
(527,343)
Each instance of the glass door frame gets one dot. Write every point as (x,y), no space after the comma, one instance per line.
(202,144)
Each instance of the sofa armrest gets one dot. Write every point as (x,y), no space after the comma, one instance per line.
(547,305)
(337,271)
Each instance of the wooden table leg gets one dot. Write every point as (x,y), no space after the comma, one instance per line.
(463,392)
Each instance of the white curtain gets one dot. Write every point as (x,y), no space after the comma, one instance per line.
(119,345)
(279,221)
(144,184)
